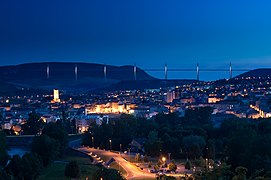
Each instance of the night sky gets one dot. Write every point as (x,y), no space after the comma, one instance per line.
(146,32)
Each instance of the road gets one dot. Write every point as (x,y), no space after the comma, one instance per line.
(132,171)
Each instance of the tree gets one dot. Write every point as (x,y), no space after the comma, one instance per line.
(165,177)
(172,166)
(123,131)
(3,150)
(107,174)
(153,145)
(1,117)
(27,167)
(146,159)
(210,151)
(259,174)
(72,170)
(87,139)
(14,167)
(202,162)
(240,173)
(149,165)
(4,175)
(239,147)
(46,147)
(34,124)
(156,167)
(194,145)
(171,145)
(198,116)
(137,157)
(57,131)
(188,165)
(164,120)
(144,126)
(221,172)
(102,134)
(31,165)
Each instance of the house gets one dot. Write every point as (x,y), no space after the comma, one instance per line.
(137,144)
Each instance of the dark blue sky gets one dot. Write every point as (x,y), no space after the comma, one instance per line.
(148,32)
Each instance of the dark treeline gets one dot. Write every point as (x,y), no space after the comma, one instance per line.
(44,150)
(49,144)
(242,146)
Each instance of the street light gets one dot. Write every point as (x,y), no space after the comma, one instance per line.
(164,160)
(110,144)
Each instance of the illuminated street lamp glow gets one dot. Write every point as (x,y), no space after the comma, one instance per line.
(110,144)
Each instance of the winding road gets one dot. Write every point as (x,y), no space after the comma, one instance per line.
(132,171)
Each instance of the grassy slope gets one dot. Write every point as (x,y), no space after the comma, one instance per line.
(56,170)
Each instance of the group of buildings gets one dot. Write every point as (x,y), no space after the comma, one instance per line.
(243,100)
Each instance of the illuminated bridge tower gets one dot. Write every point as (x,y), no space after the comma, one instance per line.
(165,71)
(105,71)
(76,72)
(197,71)
(230,71)
(48,71)
(135,68)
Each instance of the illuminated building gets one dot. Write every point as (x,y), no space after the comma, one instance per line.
(189,100)
(56,96)
(170,96)
(261,113)
(109,108)
(76,106)
(47,118)
(214,99)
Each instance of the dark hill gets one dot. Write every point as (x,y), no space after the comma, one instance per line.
(62,75)
(263,73)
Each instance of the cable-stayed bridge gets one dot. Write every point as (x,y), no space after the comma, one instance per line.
(163,70)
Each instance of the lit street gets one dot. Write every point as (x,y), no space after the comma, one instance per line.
(132,171)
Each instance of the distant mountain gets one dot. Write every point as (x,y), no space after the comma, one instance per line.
(62,75)
(263,73)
